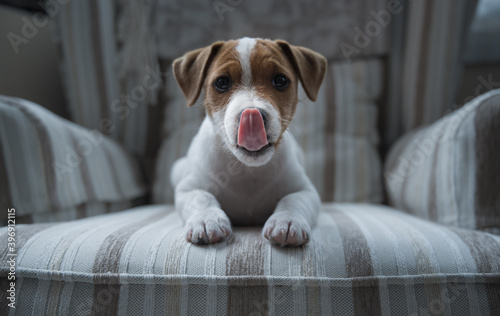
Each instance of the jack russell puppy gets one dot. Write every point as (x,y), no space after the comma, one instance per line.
(243,167)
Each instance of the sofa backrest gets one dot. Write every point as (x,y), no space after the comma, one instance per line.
(336,29)
(116,55)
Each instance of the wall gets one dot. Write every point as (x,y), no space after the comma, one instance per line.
(33,71)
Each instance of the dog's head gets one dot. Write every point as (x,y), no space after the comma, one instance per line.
(250,90)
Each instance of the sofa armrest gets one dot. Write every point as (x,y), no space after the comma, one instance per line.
(449,172)
(52,169)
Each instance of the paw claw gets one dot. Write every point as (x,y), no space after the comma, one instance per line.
(208,227)
(285,230)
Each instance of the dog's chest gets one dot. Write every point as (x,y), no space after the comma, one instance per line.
(250,196)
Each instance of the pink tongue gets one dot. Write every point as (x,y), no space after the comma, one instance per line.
(251,132)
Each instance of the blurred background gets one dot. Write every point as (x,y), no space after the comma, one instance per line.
(394,66)
(33,72)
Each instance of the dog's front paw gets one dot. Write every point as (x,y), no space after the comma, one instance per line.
(208,227)
(285,230)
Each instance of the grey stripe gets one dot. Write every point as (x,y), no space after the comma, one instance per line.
(5,198)
(155,118)
(23,234)
(81,211)
(97,52)
(83,169)
(71,63)
(329,168)
(487,190)
(433,179)
(4,285)
(114,172)
(427,24)
(46,151)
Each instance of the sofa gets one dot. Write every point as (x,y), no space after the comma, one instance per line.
(409,179)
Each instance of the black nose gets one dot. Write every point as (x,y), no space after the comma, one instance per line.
(264,117)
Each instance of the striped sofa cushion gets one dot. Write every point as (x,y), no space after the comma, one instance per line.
(449,172)
(338,133)
(52,169)
(362,260)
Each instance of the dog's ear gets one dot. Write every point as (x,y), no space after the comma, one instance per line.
(310,66)
(190,70)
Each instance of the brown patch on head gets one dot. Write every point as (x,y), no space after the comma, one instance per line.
(268,60)
(227,64)
(190,70)
(271,58)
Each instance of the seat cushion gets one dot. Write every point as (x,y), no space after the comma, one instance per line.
(361,259)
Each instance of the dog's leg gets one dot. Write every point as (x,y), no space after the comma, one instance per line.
(291,223)
(205,221)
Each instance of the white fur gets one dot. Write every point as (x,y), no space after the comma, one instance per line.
(226,122)
(217,184)
(244,49)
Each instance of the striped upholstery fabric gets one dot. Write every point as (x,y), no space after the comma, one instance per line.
(342,30)
(449,172)
(426,63)
(111,70)
(362,260)
(52,169)
(338,134)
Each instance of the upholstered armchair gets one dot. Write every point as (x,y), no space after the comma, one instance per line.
(411,189)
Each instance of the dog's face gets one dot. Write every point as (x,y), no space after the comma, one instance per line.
(250,90)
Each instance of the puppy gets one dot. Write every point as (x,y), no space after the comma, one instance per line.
(243,167)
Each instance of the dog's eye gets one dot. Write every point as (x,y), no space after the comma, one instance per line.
(280,82)
(222,84)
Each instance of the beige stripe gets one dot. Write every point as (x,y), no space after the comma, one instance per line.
(366,295)
(313,298)
(53,297)
(245,257)
(483,248)
(487,190)
(106,296)
(486,253)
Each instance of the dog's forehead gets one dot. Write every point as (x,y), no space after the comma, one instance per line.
(245,48)
(251,55)
(248,50)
